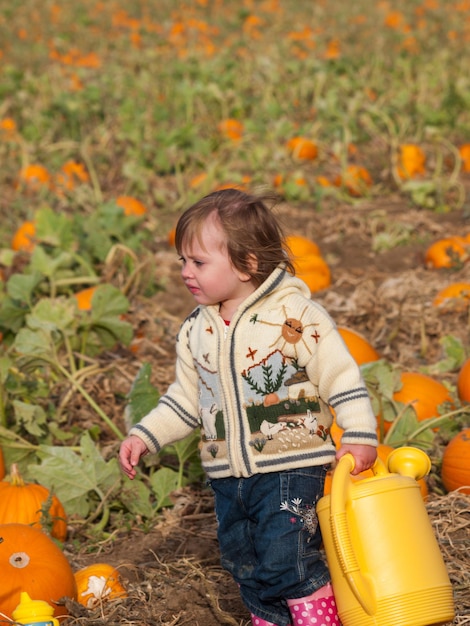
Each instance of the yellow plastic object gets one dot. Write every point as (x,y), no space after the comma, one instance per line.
(34,612)
(384,559)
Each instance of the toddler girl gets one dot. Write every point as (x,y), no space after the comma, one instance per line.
(259,368)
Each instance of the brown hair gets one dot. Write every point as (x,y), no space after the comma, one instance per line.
(251,228)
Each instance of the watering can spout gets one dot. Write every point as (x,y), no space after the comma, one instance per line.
(410,462)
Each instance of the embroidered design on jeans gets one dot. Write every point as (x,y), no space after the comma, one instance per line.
(306,513)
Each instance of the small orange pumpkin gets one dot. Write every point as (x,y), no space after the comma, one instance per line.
(231,128)
(131,206)
(171,236)
(464,151)
(70,173)
(23,239)
(447,252)
(97,583)
(30,561)
(84,298)
(22,503)
(361,349)
(454,296)
(356,179)
(463,382)
(412,161)
(455,470)
(314,271)
(34,177)
(302,148)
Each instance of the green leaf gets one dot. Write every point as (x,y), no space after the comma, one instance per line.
(34,343)
(407,430)
(63,472)
(12,314)
(110,330)
(103,473)
(51,315)
(108,301)
(55,229)
(164,482)
(20,287)
(46,264)
(136,497)
(32,417)
(142,398)
(455,356)
(185,449)
(75,477)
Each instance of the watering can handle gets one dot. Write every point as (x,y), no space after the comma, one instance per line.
(358,584)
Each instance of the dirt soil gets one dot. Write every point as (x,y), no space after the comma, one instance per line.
(171,571)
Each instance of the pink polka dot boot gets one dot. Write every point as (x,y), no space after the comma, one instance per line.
(319,609)
(257,621)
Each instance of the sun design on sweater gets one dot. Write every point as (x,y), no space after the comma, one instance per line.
(292,331)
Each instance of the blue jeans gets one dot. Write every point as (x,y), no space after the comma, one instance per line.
(269,537)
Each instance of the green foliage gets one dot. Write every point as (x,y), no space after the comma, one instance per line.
(383,379)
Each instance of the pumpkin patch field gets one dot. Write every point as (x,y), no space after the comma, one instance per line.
(354,117)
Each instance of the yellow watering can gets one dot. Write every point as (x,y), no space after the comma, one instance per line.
(385,563)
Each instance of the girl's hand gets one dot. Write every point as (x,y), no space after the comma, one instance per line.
(364,456)
(130,452)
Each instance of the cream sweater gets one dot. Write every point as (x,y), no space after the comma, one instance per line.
(261,389)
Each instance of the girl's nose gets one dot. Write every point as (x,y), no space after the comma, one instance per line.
(185,271)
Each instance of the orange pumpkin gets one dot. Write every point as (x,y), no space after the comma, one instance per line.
(231,128)
(97,583)
(30,561)
(23,239)
(447,252)
(302,246)
(358,346)
(34,177)
(455,470)
(424,393)
(131,206)
(464,152)
(463,382)
(302,148)
(172,236)
(70,173)
(356,179)
(8,129)
(23,503)
(454,296)
(84,298)
(314,271)
(412,161)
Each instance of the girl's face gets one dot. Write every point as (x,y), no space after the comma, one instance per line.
(208,272)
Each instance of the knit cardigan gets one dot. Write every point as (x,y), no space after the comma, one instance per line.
(262,389)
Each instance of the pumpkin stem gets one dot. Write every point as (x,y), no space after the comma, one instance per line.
(16,478)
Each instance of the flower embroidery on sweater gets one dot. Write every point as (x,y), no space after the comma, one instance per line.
(307,514)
